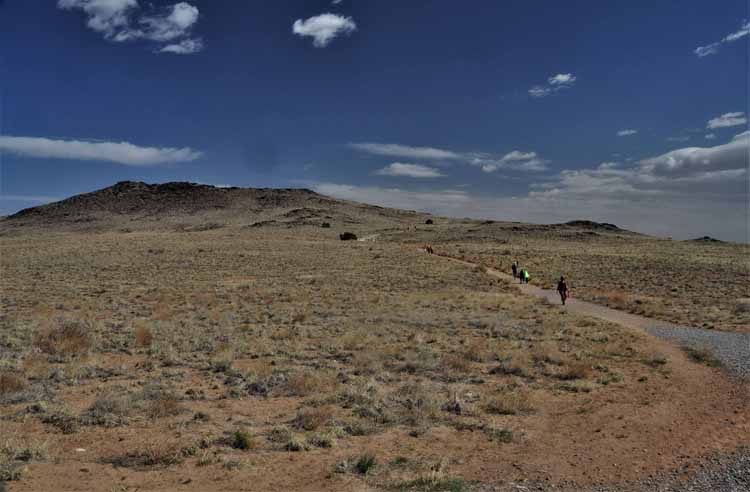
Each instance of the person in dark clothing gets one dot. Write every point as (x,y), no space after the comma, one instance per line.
(514,267)
(562,288)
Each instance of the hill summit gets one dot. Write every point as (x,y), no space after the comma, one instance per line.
(137,205)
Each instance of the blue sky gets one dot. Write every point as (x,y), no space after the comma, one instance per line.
(625,112)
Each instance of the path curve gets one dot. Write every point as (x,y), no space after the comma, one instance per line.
(732,349)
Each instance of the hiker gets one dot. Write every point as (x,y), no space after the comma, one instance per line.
(521,274)
(526,276)
(514,267)
(562,288)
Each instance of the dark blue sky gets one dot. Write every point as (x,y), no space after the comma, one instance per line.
(256,104)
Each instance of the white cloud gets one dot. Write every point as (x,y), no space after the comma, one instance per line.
(324,28)
(562,79)
(742,32)
(184,47)
(515,160)
(726,120)
(710,136)
(682,138)
(396,150)
(555,84)
(410,170)
(119,152)
(119,21)
(713,48)
(540,91)
(625,133)
(105,16)
(709,49)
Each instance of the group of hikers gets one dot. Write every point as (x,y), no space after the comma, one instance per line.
(523,276)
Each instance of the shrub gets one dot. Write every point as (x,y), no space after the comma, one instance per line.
(68,338)
(242,440)
(311,419)
(348,236)
(509,403)
(365,464)
(325,225)
(703,355)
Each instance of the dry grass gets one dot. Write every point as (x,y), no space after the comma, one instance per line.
(313,347)
(66,338)
(11,383)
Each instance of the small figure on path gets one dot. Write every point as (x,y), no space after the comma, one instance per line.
(562,288)
(526,276)
(514,267)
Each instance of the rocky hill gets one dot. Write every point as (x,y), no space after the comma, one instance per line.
(130,205)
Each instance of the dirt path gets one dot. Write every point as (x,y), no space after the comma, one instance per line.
(732,349)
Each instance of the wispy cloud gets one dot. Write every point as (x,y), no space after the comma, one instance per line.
(119,152)
(396,150)
(709,136)
(409,170)
(727,120)
(626,133)
(324,28)
(122,20)
(515,160)
(554,84)
(713,48)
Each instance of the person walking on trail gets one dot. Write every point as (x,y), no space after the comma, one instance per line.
(526,276)
(514,268)
(562,288)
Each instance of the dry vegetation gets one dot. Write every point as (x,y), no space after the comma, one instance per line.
(693,283)
(294,362)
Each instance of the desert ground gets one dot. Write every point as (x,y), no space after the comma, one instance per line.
(264,353)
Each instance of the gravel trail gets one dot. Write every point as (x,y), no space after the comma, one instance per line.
(732,349)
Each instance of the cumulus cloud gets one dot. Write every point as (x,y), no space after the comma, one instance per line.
(726,120)
(324,28)
(118,152)
(396,150)
(555,83)
(409,170)
(122,20)
(713,48)
(679,193)
(625,133)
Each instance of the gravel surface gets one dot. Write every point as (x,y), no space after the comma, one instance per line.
(728,472)
(732,349)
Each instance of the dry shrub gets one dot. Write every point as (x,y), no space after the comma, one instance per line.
(153,454)
(305,383)
(163,406)
(617,299)
(143,337)
(67,338)
(311,419)
(508,403)
(574,370)
(547,353)
(475,350)
(457,363)
(11,383)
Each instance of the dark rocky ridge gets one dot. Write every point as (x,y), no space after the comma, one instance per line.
(186,206)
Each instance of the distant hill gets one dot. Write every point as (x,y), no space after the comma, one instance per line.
(131,205)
